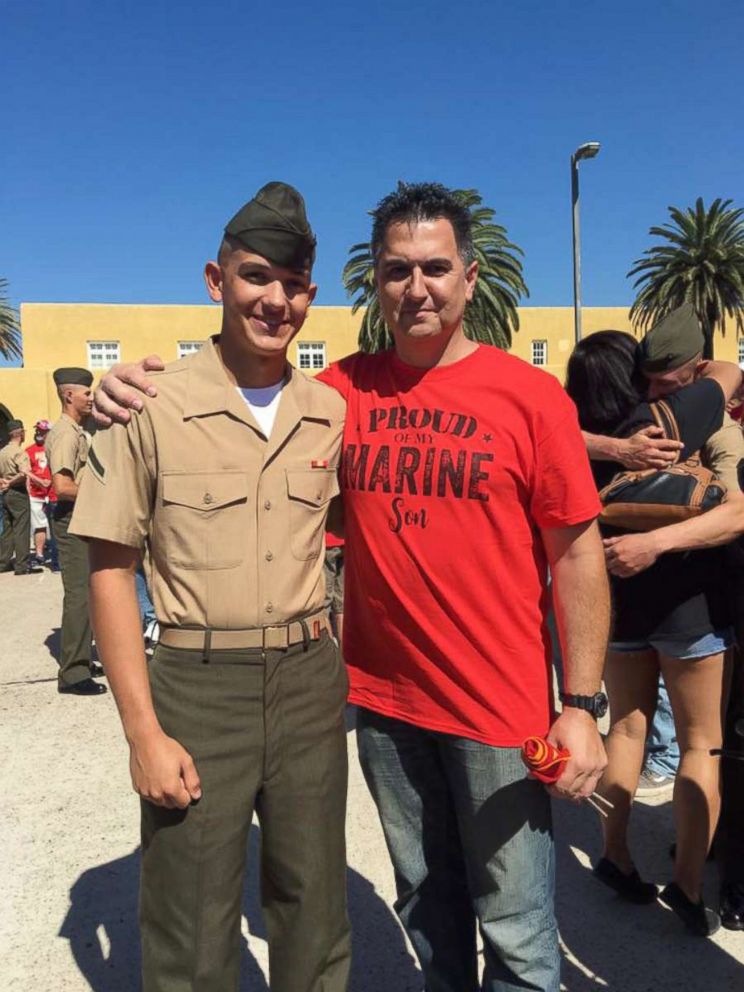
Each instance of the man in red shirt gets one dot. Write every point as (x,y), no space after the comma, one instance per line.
(464,477)
(40,491)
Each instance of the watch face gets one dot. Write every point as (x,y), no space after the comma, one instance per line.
(600,705)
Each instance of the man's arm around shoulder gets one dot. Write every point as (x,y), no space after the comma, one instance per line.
(647,448)
(163,772)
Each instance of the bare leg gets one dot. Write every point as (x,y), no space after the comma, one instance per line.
(39,542)
(695,689)
(631,679)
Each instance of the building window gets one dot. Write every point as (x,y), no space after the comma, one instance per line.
(188,348)
(539,352)
(311,354)
(102,354)
(741,352)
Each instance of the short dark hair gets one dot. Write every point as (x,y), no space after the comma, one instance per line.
(604,380)
(415,202)
(228,245)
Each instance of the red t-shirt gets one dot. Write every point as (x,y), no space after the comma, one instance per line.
(332,541)
(40,468)
(446,474)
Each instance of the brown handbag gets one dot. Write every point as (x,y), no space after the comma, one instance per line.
(652,498)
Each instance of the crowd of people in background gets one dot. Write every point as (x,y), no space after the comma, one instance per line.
(26,495)
(448,678)
(38,489)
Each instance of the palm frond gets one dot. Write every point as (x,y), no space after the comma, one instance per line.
(10,327)
(701,261)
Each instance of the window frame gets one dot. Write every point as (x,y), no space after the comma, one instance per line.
(190,349)
(103,353)
(541,345)
(311,351)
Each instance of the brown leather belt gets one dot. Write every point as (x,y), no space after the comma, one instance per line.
(268,638)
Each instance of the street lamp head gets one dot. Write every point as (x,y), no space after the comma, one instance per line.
(588,150)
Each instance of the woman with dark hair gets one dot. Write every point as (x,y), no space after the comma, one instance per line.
(672,618)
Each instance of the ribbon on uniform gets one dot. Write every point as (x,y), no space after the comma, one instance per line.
(544,760)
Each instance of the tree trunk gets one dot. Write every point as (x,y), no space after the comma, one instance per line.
(708,323)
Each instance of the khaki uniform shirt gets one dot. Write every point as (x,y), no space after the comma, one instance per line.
(724,451)
(235,523)
(67,447)
(14,459)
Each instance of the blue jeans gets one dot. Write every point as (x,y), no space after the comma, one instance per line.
(147,610)
(471,841)
(662,749)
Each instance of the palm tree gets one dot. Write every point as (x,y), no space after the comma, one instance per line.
(491,316)
(701,262)
(10,328)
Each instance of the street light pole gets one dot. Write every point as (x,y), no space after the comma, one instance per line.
(588,150)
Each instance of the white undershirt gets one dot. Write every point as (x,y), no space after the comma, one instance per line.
(263,404)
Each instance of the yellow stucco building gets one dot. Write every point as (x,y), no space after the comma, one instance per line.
(95,336)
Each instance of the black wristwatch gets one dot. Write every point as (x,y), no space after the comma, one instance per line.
(596,704)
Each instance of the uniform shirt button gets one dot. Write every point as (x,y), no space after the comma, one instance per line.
(267,504)
(268,556)
(269,607)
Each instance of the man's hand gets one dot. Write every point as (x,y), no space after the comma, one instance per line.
(163,772)
(113,400)
(630,554)
(3,485)
(648,448)
(577,731)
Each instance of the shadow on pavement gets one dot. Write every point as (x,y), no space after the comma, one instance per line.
(101,926)
(52,642)
(611,945)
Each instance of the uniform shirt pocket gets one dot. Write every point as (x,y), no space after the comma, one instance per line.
(200,517)
(309,492)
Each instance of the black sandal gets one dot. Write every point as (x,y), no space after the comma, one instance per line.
(630,887)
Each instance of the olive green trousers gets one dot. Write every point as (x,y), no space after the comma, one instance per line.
(266,731)
(75,641)
(16,533)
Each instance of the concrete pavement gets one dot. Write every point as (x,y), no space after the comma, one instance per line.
(69,856)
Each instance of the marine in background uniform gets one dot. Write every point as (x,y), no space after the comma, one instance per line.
(16,523)
(66,446)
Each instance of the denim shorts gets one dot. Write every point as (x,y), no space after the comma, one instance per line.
(683,648)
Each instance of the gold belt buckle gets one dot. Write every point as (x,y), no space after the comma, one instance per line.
(276,638)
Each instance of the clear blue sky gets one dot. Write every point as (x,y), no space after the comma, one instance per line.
(132,131)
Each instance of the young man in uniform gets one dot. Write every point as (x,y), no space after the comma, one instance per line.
(464,475)
(228,477)
(67,453)
(15,469)
(39,488)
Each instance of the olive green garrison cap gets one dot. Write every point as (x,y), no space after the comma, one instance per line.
(72,377)
(274,224)
(672,342)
